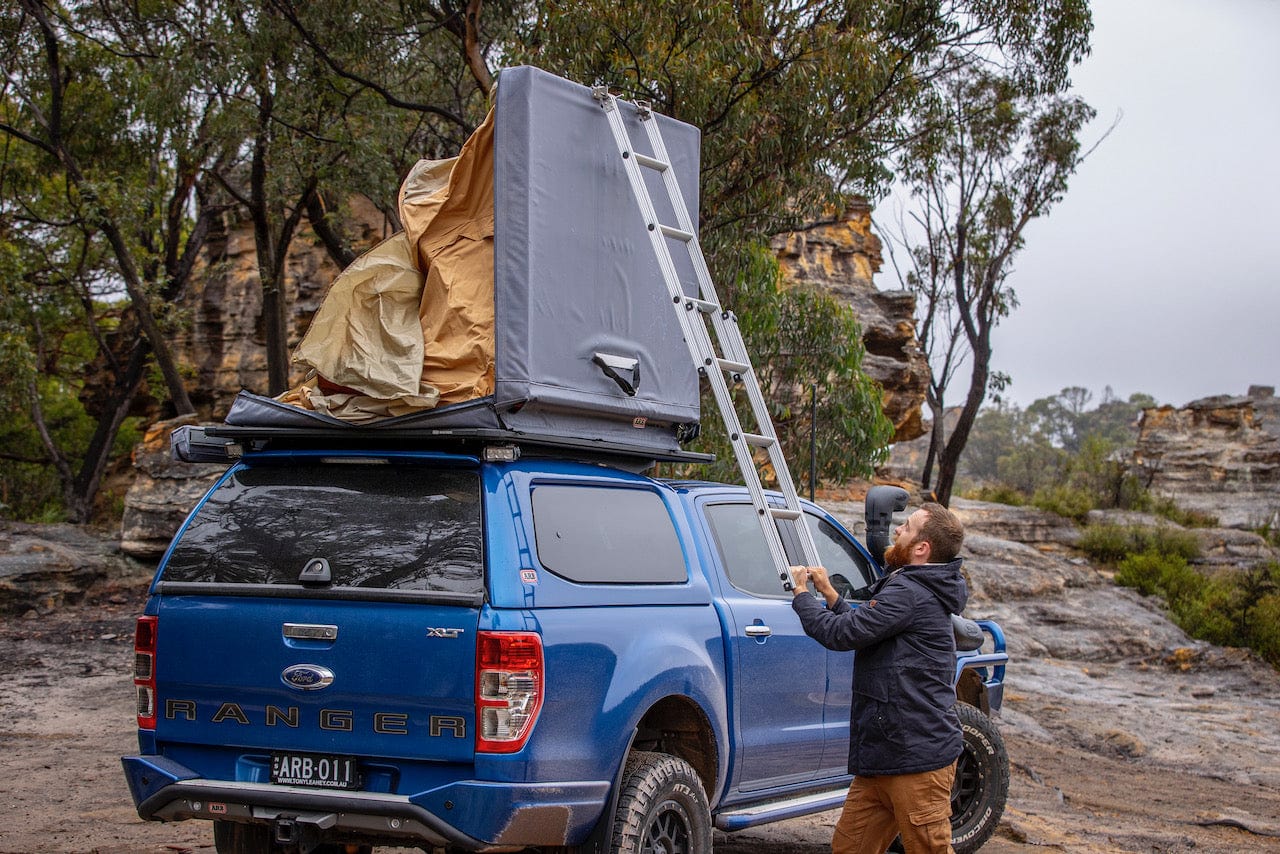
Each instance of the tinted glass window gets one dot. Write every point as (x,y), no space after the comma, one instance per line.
(849,571)
(401,527)
(743,550)
(604,535)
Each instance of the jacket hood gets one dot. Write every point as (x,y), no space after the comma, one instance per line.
(942,580)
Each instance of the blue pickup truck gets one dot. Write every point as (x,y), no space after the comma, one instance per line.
(484,647)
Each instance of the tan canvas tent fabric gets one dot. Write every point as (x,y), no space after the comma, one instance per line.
(364,345)
(452,230)
(389,340)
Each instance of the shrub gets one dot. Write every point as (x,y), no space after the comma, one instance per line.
(1229,608)
(997,494)
(1165,508)
(1270,532)
(1112,543)
(1106,543)
(1073,502)
(1265,628)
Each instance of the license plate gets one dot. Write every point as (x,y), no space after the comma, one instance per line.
(322,770)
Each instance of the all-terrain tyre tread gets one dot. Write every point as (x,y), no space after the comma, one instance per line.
(982,745)
(648,780)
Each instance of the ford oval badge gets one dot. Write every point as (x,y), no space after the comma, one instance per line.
(307,677)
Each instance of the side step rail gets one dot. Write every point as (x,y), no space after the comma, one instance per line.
(780,809)
(692,312)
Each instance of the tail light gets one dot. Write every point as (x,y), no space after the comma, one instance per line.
(144,670)
(508,689)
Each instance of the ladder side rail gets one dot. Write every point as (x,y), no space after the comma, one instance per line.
(730,337)
(695,332)
(786,485)
(647,212)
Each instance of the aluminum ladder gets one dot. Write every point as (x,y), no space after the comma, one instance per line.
(692,314)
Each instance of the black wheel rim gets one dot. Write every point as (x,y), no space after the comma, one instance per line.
(965,790)
(668,831)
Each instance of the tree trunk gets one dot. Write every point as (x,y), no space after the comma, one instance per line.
(937,435)
(333,241)
(84,488)
(949,460)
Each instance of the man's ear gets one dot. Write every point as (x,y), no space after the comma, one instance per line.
(922,550)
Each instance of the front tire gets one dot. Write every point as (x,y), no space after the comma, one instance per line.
(662,808)
(982,782)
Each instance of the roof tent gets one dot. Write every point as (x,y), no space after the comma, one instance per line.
(586,348)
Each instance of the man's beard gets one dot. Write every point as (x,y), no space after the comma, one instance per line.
(898,554)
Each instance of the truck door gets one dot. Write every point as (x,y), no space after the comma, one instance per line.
(778,674)
(851,574)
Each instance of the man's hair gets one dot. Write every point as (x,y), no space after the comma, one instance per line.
(942,531)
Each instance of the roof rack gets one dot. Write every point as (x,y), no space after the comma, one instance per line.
(224,444)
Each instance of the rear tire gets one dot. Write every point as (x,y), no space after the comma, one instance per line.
(662,808)
(982,782)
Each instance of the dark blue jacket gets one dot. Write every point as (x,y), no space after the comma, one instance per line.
(902,720)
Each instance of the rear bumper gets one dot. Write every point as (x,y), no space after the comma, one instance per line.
(470,815)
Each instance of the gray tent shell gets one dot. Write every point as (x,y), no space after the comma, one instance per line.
(588,350)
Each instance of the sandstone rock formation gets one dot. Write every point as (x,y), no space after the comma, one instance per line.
(162,494)
(1218,455)
(841,256)
(43,567)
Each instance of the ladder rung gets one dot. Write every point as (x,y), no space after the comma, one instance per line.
(652,162)
(678,234)
(756,440)
(701,305)
(784,513)
(733,367)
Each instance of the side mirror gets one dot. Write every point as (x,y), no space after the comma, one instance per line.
(882,502)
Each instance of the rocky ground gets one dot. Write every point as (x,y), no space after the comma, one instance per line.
(1123,734)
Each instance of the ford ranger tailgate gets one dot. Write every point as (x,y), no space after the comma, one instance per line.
(322,608)
(342,678)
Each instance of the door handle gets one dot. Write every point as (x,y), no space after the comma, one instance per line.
(758,631)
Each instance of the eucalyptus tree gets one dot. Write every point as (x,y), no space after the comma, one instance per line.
(101,156)
(990,153)
(76,94)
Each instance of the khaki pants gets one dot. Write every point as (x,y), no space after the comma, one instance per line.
(915,806)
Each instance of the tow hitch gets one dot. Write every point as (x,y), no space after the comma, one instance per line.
(300,834)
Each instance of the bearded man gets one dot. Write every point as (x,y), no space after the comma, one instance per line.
(904,736)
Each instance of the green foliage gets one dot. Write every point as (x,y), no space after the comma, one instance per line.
(1270,532)
(1111,543)
(131,131)
(1229,607)
(1151,572)
(998,494)
(1166,508)
(1073,502)
(799,339)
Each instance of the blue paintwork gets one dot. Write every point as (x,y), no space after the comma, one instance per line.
(776,707)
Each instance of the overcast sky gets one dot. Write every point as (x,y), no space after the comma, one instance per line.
(1160,270)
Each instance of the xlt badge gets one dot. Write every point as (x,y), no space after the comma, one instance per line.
(307,677)
(443,633)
